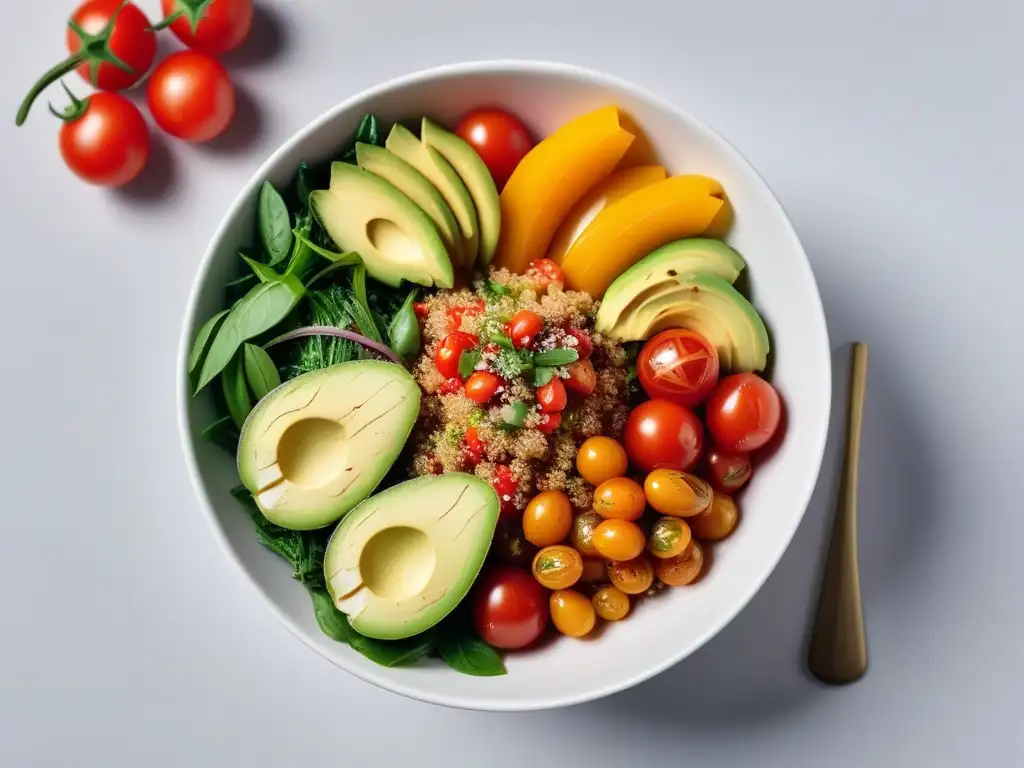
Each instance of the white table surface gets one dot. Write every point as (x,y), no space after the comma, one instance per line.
(893,136)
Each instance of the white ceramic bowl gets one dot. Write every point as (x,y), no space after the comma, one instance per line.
(662,631)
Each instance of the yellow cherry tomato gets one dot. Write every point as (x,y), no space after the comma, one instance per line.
(600,459)
(583,528)
(594,570)
(682,569)
(571,613)
(669,537)
(557,567)
(681,494)
(548,518)
(633,577)
(610,603)
(717,521)
(619,498)
(619,539)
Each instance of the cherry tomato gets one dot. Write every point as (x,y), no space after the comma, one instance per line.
(506,486)
(551,396)
(549,422)
(743,412)
(451,386)
(620,499)
(543,273)
(717,521)
(453,319)
(571,613)
(682,569)
(481,386)
(523,327)
(104,139)
(611,603)
(663,434)
(678,365)
(472,448)
(557,567)
(672,492)
(594,570)
(669,537)
(511,546)
(499,138)
(582,377)
(584,344)
(583,528)
(210,26)
(728,472)
(510,609)
(634,577)
(619,540)
(600,459)
(548,518)
(191,96)
(450,350)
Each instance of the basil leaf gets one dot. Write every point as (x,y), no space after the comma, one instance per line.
(467,362)
(275,224)
(368,132)
(238,287)
(222,433)
(393,654)
(350,258)
(333,622)
(206,333)
(236,394)
(266,305)
(514,414)
(466,653)
(543,375)
(556,357)
(266,274)
(404,331)
(303,184)
(260,371)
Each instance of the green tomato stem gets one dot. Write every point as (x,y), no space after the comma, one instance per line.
(53,75)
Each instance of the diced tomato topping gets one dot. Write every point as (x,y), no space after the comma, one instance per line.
(582,377)
(455,314)
(549,422)
(421,309)
(451,386)
(545,272)
(505,485)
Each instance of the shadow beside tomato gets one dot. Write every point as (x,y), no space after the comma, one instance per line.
(270,37)
(158,179)
(245,129)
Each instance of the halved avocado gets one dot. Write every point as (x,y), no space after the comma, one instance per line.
(403,559)
(698,255)
(416,187)
(319,444)
(478,180)
(395,238)
(446,179)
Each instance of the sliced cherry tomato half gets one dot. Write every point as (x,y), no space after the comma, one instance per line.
(678,365)
(446,358)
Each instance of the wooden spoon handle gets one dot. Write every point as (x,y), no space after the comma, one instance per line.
(838,651)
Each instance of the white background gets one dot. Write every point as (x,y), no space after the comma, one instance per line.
(892,133)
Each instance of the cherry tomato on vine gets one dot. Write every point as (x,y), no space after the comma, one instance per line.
(678,365)
(104,139)
(743,412)
(191,96)
(446,358)
(500,139)
(523,326)
(209,26)
(661,434)
(510,609)
(728,472)
(481,386)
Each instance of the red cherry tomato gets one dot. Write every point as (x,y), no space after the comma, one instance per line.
(552,397)
(191,96)
(510,609)
(743,412)
(506,486)
(481,386)
(584,345)
(523,327)
(210,26)
(549,422)
(582,377)
(545,272)
(678,365)
(728,472)
(499,138)
(450,350)
(104,139)
(661,434)
(454,317)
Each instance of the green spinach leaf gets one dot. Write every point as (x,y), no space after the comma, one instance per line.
(236,394)
(543,375)
(467,362)
(404,332)
(222,433)
(396,653)
(349,258)
(275,224)
(464,652)
(368,132)
(556,357)
(260,371)
(265,273)
(203,338)
(333,622)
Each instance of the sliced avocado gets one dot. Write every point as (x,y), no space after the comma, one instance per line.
(446,179)
(699,255)
(395,238)
(416,187)
(318,445)
(403,559)
(708,305)
(478,180)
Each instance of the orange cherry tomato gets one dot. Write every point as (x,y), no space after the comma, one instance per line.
(571,613)
(672,492)
(717,521)
(634,577)
(678,365)
(619,498)
(548,518)
(557,567)
(619,540)
(583,528)
(610,603)
(552,397)
(669,537)
(600,459)
(684,568)
(481,386)
(523,327)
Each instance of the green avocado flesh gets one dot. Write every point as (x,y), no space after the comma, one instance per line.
(318,445)
(446,179)
(405,558)
(395,238)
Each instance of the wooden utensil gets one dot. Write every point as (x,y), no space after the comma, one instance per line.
(838,652)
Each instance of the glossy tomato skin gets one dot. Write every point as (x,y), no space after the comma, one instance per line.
(544,273)
(191,96)
(582,378)
(523,327)
(108,145)
(223,24)
(446,358)
(661,434)
(481,386)
(552,397)
(510,609)
(728,472)
(678,365)
(132,40)
(549,422)
(743,412)
(500,139)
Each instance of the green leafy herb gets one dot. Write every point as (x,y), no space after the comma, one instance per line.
(304,184)
(502,341)
(359,307)
(404,332)
(203,338)
(556,357)
(464,652)
(348,259)
(236,394)
(368,132)
(304,550)
(497,288)
(275,224)
(468,361)
(238,287)
(222,433)
(543,374)
(333,622)
(260,371)
(265,273)
(340,264)
(514,414)
(398,653)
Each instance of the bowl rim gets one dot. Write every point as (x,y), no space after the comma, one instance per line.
(802,496)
